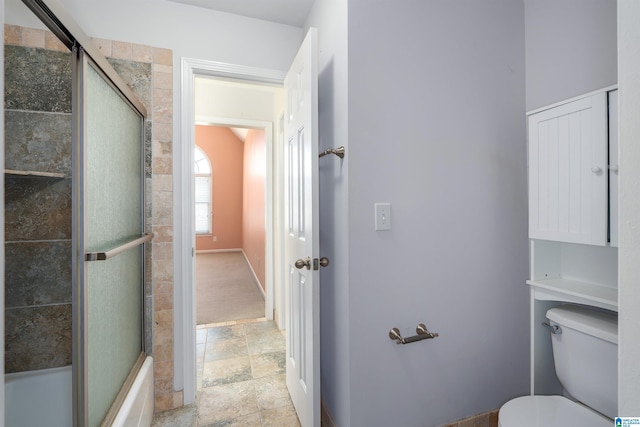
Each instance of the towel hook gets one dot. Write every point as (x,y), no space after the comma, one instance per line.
(337,151)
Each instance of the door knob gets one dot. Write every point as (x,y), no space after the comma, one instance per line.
(596,169)
(303,263)
(322,262)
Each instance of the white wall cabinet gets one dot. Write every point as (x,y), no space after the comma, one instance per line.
(613,167)
(573,215)
(568,152)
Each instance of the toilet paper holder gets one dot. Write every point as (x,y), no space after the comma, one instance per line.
(422,334)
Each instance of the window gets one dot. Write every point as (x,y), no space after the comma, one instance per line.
(203,208)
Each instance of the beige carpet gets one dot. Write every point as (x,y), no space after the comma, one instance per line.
(226,289)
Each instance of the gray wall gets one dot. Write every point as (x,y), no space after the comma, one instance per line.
(437,128)
(629,250)
(330,17)
(570,47)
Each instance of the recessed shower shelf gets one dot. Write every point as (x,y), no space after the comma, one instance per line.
(35,174)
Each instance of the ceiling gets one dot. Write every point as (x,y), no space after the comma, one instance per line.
(241,133)
(221,100)
(288,12)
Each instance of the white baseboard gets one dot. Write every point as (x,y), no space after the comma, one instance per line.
(215,251)
(255,276)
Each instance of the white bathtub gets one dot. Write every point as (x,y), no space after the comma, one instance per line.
(39,398)
(44,398)
(137,409)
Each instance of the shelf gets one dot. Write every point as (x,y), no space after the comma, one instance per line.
(575,291)
(35,174)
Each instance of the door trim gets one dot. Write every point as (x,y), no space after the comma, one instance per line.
(184,312)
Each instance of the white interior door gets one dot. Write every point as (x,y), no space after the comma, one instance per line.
(301,232)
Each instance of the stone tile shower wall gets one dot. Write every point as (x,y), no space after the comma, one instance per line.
(148,71)
(37,210)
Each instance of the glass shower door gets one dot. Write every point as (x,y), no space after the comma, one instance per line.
(110,226)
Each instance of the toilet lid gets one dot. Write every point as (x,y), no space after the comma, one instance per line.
(548,411)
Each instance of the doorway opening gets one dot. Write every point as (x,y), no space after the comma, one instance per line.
(238,114)
(261,339)
(230,223)
(296,163)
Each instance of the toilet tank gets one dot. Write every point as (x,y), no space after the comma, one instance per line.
(585,355)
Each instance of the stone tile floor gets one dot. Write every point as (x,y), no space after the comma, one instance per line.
(241,379)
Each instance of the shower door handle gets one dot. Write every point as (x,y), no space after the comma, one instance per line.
(102,256)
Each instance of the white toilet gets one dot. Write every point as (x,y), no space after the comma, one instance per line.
(585,354)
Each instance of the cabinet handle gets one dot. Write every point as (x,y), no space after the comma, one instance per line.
(614,168)
(596,169)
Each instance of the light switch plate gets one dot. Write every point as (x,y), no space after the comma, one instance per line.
(383,216)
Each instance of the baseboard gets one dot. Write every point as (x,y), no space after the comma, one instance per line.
(276,318)
(326,420)
(255,276)
(216,251)
(489,418)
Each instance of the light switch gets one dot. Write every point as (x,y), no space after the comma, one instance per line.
(383,216)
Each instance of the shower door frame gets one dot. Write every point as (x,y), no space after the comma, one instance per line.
(61,23)
(81,356)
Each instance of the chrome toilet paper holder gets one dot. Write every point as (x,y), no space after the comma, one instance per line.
(422,334)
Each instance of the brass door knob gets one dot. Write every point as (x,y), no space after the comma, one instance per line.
(324,261)
(303,263)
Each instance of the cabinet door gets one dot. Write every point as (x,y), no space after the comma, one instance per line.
(613,168)
(568,172)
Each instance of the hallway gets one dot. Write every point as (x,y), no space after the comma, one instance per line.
(226,289)
(240,377)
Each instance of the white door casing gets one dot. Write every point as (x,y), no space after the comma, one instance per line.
(184,311)
(301,232)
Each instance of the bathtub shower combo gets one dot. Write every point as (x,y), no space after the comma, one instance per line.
(75,233)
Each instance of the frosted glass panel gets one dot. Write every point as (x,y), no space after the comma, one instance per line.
(113,215)
(113,167)
(115,327)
